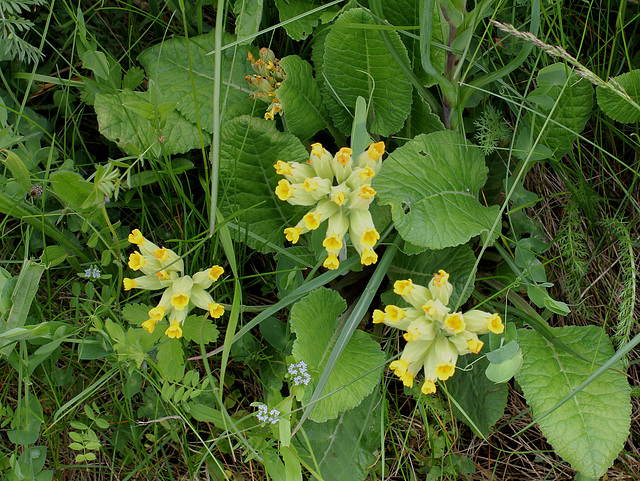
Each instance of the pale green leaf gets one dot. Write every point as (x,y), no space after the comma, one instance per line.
(457,261)
(134,134)
(572,97)
(615,105)
(135,313)
(590,429)
(441,175)
(184,72)
(480,402)
(199,329)
(303,27)
(357,63)
(314,320)
(248,17)
(422,120)
(249,149)
(170,360)
(71,188)
(344,447)
(301,100)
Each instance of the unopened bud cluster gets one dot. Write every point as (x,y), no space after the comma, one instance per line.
(267,79)
(435,336)
(164,269)
(339,188)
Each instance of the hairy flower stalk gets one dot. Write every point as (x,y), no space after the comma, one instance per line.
(340,190)
(435,336)
(267,79)
(164,269)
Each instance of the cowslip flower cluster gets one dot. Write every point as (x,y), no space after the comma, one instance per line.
(340,189)
(267,79)
(435,336)
(164,269)
(266,416)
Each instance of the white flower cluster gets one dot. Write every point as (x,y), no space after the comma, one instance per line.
(266,416)
(92,273)
(299,373)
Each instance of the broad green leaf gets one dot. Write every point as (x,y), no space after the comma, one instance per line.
(71,188)
(53,255)
(21,299)
(301,100)
(199,328)
(26,422)
(589,429)
(248,17)
(615,105)
(422,120)
(249,149)
(303,27)
(170,360)
(134,134)
(441,175)
(344,447)
(17,168)
(136,313)
(457,261)
(314,320)
(406,13)
(480,402)
(184,72)
(574,98)
(357,63)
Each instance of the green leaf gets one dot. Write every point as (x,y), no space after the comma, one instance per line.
(199,329)
(422,120)
(615,105)
(589,429)
(441,175)
(184,72)
(357,63)
(71,188)
(344,447)
(248,17)
(170,360)
(303,27)
(17,168)
(25,426)
(249,149)
(457,261)
(480,402)
(53,255)
(135,134)
(314,320)
(301,100)
(573,99)
(21,299)
(136,313)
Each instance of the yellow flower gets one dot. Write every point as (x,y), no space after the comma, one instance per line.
(474,345)
(136,261)
(282,168)
(376,150)
(368,257)
(344,156)
(454,323)
(215,272)
(332,243)
(136,237)
(284,189)
(215,310)
(331,262)
(494,324)
(311,220)
(149,325)
(428,387)
(293,234)
(174,331)
(161,254)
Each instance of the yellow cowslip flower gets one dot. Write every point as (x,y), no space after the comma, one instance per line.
(164,269)
(435,336)
(174,331)
(339,188)
(284,189)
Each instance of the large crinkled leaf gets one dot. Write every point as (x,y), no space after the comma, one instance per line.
(422,120)
(301,100)
(557,84)
(135,134)
(457,261)
(249,148)
(590,429)
(432,185)
(356,64)
(615,105)
(480,402)
(184,72)
(343,447)
(314,320)
(248,17)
